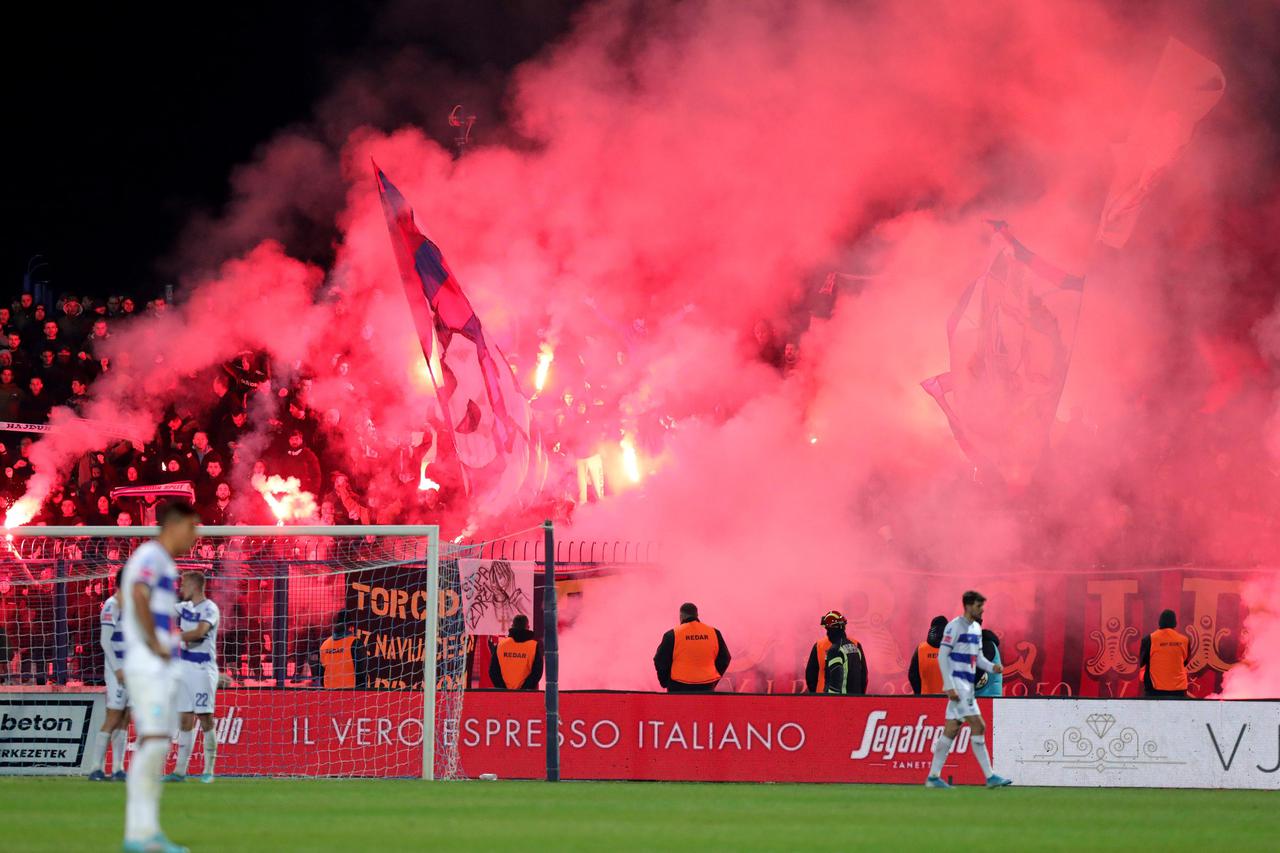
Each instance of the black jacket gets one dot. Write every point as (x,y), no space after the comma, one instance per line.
(846,668)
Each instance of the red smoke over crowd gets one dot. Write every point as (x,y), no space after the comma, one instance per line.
(719,243)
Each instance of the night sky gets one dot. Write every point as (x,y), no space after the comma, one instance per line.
(124,123)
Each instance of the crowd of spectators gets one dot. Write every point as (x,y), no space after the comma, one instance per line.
(52,356)
(236,426)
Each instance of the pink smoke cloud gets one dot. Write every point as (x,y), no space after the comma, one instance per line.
(674,173)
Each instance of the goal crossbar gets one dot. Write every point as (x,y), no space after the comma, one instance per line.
(134,531)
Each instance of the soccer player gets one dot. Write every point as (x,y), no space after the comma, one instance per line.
(149,580)
(198,619)
(959,657)
(115,728)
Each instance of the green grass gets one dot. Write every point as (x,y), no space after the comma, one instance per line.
(60,814)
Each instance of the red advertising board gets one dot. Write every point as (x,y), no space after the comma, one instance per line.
(718,737)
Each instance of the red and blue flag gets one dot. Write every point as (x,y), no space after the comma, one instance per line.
(475,387)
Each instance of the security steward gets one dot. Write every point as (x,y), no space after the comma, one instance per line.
(923,673)
(516,663)
(342,658)
(692,657)
(846,664)
(1163,656)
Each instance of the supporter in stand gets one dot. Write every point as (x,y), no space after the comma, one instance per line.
(36,405)
(11,396)
(298,461)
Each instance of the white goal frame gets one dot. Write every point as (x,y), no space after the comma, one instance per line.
(430,532)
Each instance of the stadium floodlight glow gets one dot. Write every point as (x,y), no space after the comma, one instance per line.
(291,586)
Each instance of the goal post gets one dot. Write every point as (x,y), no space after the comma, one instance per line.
(288,597)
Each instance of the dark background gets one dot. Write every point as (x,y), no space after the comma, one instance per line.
(124,125)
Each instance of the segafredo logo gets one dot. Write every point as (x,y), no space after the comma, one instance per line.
(889,742)
(227,729)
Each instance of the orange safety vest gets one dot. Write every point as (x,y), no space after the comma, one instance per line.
(930,672)
(694,659)
(823,646)
(516,661)
(1168,666)
(339,665)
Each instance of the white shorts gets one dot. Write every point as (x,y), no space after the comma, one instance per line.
(117,693)
(197,686)
(151,697)
(965,706)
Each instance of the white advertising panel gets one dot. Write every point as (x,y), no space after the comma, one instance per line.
(48,733)
(1136,743)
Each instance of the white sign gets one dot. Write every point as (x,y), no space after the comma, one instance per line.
(1137,743)
(48,733)
(494,592)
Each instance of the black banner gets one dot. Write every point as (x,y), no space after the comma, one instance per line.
(387,607)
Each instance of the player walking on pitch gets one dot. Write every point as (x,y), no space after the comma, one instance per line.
(959,657)
(115,728)
(150,579)
(198,619)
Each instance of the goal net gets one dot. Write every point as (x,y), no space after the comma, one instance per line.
(340,651)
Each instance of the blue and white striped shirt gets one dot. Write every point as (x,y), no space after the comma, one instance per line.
(152,567)
(112,639)
(960,655)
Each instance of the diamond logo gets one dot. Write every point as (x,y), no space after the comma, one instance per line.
(1100,724)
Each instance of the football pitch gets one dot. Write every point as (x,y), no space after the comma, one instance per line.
(275,815)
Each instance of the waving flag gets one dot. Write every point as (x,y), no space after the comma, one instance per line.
(487,414)
(1185,88)
(1010,337)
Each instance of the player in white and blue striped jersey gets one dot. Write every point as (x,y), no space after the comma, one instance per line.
(198,619)
(115,726)
(150,581)
(959,658)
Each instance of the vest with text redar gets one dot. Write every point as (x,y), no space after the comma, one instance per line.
(515,659)
(339,665)
(930,672)
(693,661)
(1168,667)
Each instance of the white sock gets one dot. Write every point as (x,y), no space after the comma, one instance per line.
(210,750)
(119,745)
(100,749)
(980,752)
(941,747)
(142,809)
(186,744)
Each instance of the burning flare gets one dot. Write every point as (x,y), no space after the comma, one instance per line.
(425,483)
(286,498)
(23,510)
(545,356)
(630,463)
